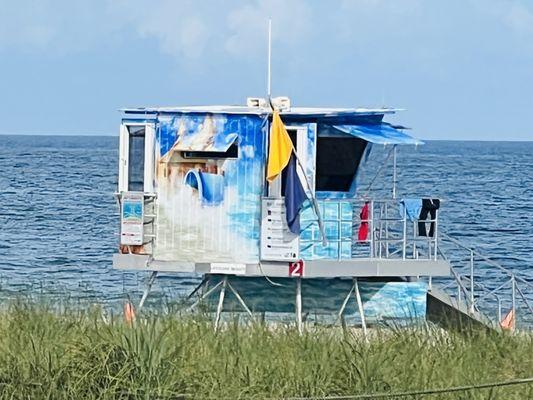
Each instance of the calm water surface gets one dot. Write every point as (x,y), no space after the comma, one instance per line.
(58,217)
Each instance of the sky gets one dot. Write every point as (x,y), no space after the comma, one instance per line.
(462,69)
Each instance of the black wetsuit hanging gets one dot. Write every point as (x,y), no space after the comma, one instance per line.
(429,206)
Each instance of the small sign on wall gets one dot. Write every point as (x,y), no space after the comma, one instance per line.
(296,268)
(228,268)
(131,219)
(278,243)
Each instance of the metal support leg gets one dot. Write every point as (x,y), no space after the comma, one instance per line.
(202,284)
(299,322)
(499,310)
(523,298)
(239,298)
(360,305)
(147,290)
(204,296)
(472,281)
(344,303)
(221,301)
(513,283)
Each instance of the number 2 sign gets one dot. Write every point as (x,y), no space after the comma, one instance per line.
(296,268)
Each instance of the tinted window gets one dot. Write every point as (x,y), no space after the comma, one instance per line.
(337,160)
(136,158)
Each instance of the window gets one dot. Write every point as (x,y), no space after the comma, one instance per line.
(232,152)
(136,158)
(337,160)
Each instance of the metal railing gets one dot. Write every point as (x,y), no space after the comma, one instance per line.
(508,289)
(391,235)
(150,217)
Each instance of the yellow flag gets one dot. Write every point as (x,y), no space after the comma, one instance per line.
(280,149)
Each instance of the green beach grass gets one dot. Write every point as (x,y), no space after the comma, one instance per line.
(48,354)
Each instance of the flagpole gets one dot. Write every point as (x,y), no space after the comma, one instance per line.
(269,73)
(269,99)
(313,200)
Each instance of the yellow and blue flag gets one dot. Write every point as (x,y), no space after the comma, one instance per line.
(280,148)
(282,161)
(294,194)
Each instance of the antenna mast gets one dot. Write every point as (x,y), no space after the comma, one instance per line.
(269,73)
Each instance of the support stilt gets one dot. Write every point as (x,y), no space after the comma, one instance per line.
(221,301)
(147,290)
(202,284)
(299,322)
(222,284)
(204,296)
(360,305)
(239,298)
(344,303)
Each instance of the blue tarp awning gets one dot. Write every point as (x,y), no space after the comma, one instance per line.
(380,134)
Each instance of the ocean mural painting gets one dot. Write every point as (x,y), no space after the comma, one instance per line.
(382,300)
(209,200)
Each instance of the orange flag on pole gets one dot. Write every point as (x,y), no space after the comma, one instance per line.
(280,148)
(508,322)
(129,313)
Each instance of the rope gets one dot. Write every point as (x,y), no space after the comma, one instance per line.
(421,392)
(267,278)
(378,173)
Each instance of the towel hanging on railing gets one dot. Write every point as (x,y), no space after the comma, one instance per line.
(429,206)
(410,207)
(362,235)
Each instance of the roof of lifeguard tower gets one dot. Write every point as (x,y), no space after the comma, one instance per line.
(364,123)
(308,111)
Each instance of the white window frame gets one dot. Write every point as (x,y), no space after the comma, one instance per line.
(149,153)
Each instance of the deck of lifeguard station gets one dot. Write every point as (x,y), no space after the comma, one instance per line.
(393,249)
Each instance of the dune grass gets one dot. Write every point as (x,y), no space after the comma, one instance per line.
(72,355)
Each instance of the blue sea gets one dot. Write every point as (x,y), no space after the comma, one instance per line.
(59,218)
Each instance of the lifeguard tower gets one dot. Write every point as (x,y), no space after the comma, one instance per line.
(194,198)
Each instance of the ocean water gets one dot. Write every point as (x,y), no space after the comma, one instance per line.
(59,219)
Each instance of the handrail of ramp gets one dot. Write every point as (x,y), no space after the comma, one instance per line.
(510,289)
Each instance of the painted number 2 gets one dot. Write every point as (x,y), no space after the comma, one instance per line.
(296,268)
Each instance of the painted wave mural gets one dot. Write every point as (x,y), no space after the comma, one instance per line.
(209,208)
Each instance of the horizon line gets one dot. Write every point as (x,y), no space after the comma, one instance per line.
(117,135)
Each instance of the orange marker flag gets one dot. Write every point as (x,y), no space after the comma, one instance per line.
(129,313)
(280,148)
(508,322)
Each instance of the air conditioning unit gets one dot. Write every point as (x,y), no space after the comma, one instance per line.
(256,102)
(282,103)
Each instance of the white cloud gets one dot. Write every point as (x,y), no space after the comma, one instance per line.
(519,18)
(185,29)
(188,30)
(180,28)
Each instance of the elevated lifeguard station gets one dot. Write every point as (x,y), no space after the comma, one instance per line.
(194,198)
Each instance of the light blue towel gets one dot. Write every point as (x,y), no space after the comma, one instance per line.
(412,207)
